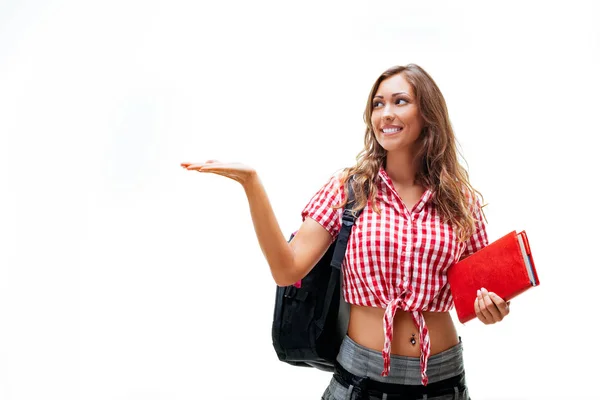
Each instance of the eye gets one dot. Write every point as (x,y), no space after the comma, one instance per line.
(377,103)
(401,101)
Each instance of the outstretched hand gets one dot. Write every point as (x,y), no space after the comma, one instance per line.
(238,172)
(489,307)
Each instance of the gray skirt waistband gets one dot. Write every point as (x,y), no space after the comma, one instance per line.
(364,362)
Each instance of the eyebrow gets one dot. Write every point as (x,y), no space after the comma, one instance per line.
(393,95)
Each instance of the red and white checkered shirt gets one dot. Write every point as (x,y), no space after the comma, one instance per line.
(397,259)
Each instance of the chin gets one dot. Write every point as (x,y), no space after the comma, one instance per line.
(391,144)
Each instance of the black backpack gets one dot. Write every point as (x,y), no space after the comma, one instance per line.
(311,321)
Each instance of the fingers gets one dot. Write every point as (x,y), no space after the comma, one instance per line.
(477,309)
(503,306)
(194,167)
(198,165)
(489,307)
(484,314)
(233,170)
(186,165)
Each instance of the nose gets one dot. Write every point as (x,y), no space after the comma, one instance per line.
(387,113)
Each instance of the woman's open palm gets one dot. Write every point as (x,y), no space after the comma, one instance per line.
(237,171)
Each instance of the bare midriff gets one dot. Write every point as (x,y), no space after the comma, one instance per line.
(366,328)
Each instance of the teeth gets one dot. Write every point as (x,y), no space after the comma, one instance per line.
(391,130)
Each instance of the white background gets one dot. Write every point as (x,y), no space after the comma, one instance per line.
(123,276)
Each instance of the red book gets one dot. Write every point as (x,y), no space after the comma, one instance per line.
(504,267)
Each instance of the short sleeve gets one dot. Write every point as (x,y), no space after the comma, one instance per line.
(320,207)
(479,239)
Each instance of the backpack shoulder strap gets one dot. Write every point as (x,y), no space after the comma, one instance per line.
(339,252)
(348,219)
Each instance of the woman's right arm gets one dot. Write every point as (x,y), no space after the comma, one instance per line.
(289,262)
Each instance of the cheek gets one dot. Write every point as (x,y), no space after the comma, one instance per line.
(374,119)
(409,114)
(415,120)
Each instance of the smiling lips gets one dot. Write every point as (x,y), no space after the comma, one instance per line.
(390,130)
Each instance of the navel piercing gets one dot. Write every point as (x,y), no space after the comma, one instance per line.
(413,341)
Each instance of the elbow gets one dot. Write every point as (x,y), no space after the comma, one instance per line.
(283,281)
(285,278)
(282,284)
(284,270)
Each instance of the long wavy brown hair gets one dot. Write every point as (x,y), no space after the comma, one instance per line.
(440,170)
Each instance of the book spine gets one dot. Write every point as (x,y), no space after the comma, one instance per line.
(523,235)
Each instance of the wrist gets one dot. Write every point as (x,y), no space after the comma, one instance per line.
(252,182)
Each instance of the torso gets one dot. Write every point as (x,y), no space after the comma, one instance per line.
(366,328)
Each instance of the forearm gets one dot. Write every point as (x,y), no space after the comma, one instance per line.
(275,248)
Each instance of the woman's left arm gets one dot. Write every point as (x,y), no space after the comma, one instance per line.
(489,307)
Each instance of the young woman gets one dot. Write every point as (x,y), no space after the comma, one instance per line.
(420,216)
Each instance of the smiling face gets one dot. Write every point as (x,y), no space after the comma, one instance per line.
(396,120)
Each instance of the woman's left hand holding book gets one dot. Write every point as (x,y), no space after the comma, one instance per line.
(489,307)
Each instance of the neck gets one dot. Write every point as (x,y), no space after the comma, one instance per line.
(402,168)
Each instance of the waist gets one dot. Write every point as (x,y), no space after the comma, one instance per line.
(363,362)
(365,327)
(367,388)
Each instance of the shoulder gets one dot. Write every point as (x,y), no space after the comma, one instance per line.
(336,181)
(475,205)
(473,199)
(324,206)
